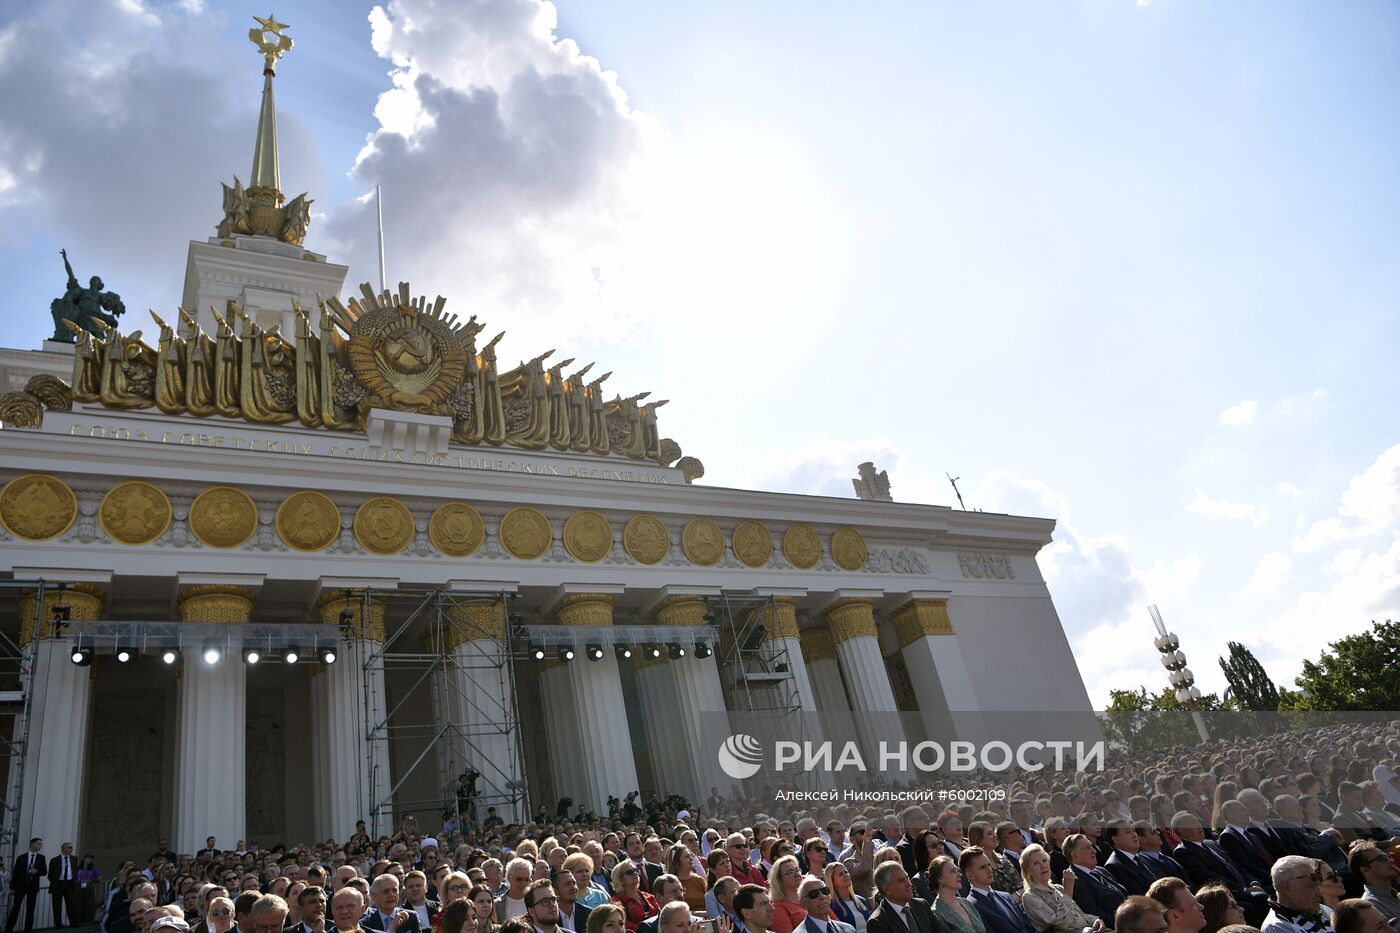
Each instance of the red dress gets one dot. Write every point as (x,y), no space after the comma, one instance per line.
(636,911)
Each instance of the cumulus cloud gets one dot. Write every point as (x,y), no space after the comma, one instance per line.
(1287,490)
(511,165)
(1203,504)
(1272,572)
(118,121)
(1369,506)
(1239,413)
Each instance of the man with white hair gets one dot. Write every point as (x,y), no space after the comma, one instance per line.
(386,914)
(519,873)
(1245,852)
(347,906)
(1257,805)
(1297,897)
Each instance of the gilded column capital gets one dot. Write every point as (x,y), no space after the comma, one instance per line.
(331,605)
(473,622)
(84,601)
(779,618)
(216,603)
(585,609)
(817,645)
(680,610)
(920,618)
(851,618)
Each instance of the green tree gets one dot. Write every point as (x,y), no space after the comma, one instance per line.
(1136,720)
(1249,683)
(1358,673)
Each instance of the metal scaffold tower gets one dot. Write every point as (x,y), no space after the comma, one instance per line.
(459,647)
(758,672)
(16,697)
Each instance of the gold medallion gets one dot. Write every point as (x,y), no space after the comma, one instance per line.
(223,516)
(646,539)
(456,529)
(525,533)
(802,547)
(588,536)
(384,525)
(848,549)
(134,513)
(752,543)
(37,507)
(702,542)
(308,521)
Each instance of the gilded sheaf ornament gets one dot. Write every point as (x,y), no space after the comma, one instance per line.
(223,516)
(135,513)
(37,507)
(456,529)
(308,521)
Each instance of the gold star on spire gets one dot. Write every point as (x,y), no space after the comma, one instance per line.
(271,25)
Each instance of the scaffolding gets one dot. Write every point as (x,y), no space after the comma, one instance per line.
(464,727)
(758,673)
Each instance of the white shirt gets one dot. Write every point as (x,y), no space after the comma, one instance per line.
(566,917)
(513,908)
(423,922)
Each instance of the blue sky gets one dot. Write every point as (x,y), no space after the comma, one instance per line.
(1132,266)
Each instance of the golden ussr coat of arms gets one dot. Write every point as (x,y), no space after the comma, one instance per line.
(408,361)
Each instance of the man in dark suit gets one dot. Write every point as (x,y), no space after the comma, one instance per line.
(1095,891)
(1206,863)
(573,914)
(311,901)
(63,886)
(346,907)
(1125,864)
(386,915)
(815,898)
(1248,853)
(1000,912)
(647,872)
(900,911)
(914,821)
(24,884)
(1150,851)
(754,907)
(415,896)
(667,889)
(542,907)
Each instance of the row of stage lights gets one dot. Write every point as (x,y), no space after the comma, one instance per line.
(567,653)
(212,653)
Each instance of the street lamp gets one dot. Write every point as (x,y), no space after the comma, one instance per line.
(1178,674)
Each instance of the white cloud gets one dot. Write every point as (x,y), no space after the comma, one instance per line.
(1369,506)
(1287,490)
(1272,572)
(513,171)
(116,118)
(1239,413)
(1203,504)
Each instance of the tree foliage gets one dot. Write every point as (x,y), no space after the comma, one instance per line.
(1360,673)
(1136,720)
(1249,682)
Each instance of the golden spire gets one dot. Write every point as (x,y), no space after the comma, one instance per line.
(273,44)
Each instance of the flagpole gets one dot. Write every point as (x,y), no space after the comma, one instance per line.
(379,216)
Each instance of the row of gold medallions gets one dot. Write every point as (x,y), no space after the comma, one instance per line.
(38,507)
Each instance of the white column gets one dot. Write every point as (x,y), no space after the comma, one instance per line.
(785,643)
(937,670)
(55,773)
(593,689)
(211,763)
(560,734)
(320,755)
(480,704)
(852,624)
(702,722)
(834,710)
(357,765)
(60,706)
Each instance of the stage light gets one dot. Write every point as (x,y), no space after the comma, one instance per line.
(251,656)
(328,656)
(595,652)
(709,616)
(169,656)
(126,655)
(755,639)
(625,652)
(82,656)
(566,653)
(537,652)
(213,654)
(651,651)
(677,652)
(290,656)
(702,650)
(517,619)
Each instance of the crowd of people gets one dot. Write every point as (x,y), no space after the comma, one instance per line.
(1288,833)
